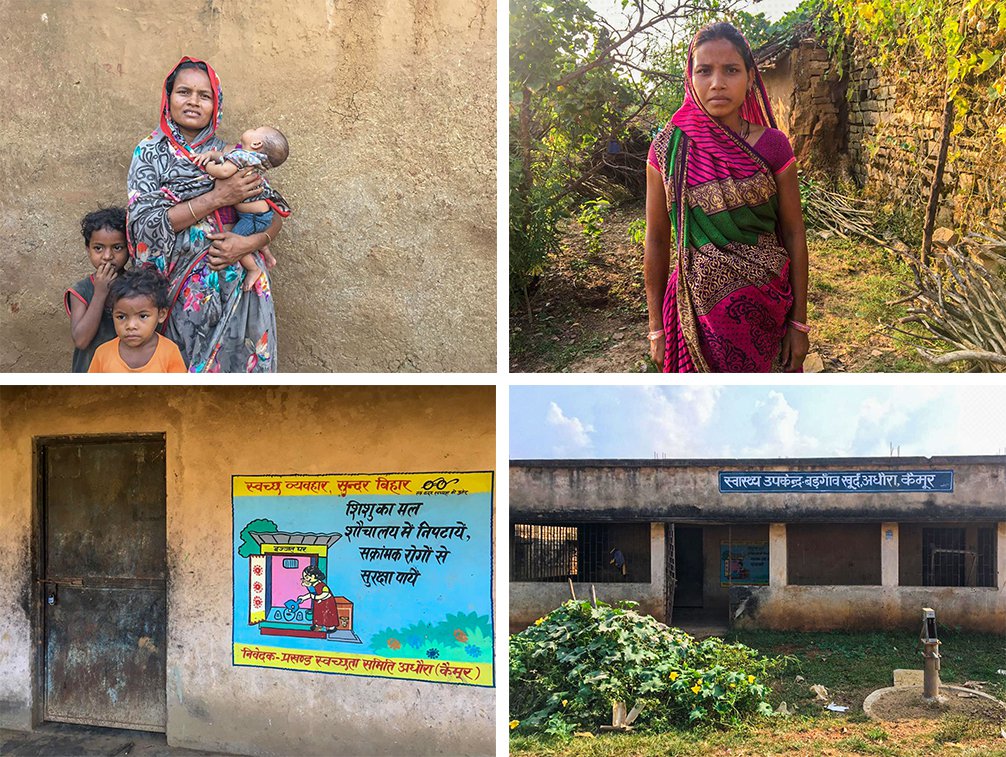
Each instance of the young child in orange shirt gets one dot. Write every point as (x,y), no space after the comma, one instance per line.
(139,305)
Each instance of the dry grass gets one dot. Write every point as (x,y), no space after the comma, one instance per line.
(590,309)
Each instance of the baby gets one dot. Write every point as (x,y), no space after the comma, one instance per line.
(139,300)
(261,149)
(90,320)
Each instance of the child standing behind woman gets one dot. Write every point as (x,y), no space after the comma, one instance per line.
(86,301)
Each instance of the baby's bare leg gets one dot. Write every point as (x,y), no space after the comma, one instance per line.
(252,272)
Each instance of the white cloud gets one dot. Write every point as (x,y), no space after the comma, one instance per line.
(776,425)
(571,434)
(673,421)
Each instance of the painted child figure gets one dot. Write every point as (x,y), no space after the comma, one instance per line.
(139,305)
(261,148)
(86,302)
(325,615)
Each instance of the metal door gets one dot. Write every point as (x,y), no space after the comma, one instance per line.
(103,581)
(670,574)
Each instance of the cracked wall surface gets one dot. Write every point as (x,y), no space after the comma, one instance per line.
(388,263)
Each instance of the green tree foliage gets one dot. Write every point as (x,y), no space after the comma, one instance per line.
(965,38)
(567,100)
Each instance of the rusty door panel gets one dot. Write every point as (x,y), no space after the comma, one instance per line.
(105,646)
(104,583)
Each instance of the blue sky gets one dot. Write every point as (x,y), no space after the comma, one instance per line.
(755,421)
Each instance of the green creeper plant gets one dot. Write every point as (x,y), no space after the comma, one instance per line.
(568,668)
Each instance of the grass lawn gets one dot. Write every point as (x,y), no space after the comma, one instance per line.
(850,666)
(589,308)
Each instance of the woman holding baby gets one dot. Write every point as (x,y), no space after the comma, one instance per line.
(178,220)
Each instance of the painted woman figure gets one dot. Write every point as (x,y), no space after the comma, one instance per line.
(325,615)
(177,222)
(722,183)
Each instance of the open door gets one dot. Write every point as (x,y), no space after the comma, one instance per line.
(102,569)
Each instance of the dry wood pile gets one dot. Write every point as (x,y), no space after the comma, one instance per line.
(960,298)
(961,302)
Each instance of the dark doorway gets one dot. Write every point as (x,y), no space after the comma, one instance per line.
(102,579)
(688,566)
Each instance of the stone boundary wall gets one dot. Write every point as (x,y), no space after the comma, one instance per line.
(894,127)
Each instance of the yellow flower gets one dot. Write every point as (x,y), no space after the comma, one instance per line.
(560,88)
(696,689)
(673,676)
(733,686)
(867,11)
(514,724)
(750,679)
(539,621)
(565,702)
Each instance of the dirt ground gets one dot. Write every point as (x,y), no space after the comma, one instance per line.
(589,309)
(58,739)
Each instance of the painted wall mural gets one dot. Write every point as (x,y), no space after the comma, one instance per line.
(384,575)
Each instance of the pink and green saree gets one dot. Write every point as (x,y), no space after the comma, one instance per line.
(728,294)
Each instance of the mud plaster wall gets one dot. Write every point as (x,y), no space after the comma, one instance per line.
(806,99)
(689,491)
(212,705)
(836,553)
(388,263)
(866,608)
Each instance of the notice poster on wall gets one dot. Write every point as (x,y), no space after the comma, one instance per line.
(742,563)
(381,574)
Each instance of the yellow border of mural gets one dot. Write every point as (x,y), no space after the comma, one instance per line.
(440,671)
(411,484)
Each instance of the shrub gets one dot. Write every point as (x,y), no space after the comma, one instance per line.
(591,221)
(637,231)
(568,668)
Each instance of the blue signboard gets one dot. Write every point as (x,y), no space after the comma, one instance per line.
(865,481)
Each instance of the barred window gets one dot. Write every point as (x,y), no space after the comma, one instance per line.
(584,552)
(986,573)
(948,561)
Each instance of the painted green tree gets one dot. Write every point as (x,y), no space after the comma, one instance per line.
(258,526)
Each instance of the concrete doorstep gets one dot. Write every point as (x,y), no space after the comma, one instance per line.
(66,740)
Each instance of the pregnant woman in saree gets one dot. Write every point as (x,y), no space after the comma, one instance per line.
(177,222)
(730,293)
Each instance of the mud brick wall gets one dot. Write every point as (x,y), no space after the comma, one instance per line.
(806,97)
(895,120)
(389,260)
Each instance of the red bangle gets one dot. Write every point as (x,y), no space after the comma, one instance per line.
(802,327)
